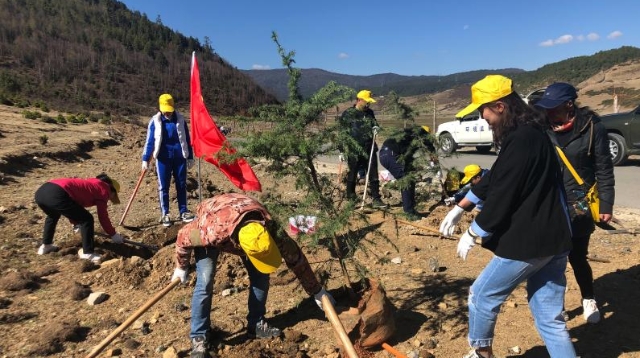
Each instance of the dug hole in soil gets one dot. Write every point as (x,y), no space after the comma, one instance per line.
(43,299)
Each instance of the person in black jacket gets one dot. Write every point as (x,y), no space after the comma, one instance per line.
(583,139)
(524,222)
(360,122)
(396,155)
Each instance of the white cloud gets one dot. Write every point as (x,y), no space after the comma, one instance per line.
(343,55)
(261,67)
(614,35)
(593,37)
(564,39)
(465,27)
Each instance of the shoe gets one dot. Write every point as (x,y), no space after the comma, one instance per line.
(199,347)
(590,312)
(474,354)
(47,248)
(76,228)
(412,216)
(166,221)
(95,258)
(263,331)
(187,217)
(377,203)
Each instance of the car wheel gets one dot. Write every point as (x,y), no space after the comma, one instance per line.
(617,148)
(483,149)
(447,144)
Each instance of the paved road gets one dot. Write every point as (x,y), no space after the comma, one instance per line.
(627,176)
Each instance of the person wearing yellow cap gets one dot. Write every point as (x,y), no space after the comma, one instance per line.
(360,123)
(238,224)
(472,174)
(168,142)
(397,156)
(524,222)
(69,197)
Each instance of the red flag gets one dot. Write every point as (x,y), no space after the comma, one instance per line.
(207,140)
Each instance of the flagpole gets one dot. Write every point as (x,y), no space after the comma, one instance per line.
(199,184)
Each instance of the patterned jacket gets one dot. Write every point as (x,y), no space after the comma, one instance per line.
(217,223)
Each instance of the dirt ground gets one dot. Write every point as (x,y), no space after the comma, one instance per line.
(44,310)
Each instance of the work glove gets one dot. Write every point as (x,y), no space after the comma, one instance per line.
(451,220)
(190,163)
(179,273)
(117,238)
(467,241)
(341,157)
(376,130)
(145,165)
(318,298)
(450,201)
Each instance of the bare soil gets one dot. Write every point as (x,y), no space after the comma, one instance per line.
(44,311)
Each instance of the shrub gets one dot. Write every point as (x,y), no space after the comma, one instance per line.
(48,119)
(60,119)
(43,139)
(31,114)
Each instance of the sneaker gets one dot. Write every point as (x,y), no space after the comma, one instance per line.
(47,248)
(474,354)
(412,216)
(76,228)
(199,347)
(166,221)
(565,315)
(187,217)
(263,331)
(590,312)
(95,258)
(377,203)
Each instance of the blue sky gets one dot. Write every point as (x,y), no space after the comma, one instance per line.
(418,37)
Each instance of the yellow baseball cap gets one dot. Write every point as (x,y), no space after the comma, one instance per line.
(260,247)
(427,129)
(488,89)
(165,103)
(365,95)
(116,186)
(470,171)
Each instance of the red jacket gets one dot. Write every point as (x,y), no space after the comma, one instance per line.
(87,193)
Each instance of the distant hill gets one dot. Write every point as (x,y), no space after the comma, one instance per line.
(79,55)
(573,70)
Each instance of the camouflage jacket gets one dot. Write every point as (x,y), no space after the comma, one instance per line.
(217,224)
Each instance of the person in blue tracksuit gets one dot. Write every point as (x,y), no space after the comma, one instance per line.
(169,144)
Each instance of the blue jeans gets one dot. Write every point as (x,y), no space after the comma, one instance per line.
(546,284)
(206,259)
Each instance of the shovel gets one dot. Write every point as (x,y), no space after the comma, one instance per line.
(105,342)
(332,316)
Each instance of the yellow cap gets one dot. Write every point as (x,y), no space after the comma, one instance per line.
(426,129)
(166,103)
(116,186)
(365,95)
(487,90)
(259,247)
(470,171)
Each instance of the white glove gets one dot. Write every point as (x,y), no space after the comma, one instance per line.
(467,241)
(451,220)
(341,157)
(318,297)
(117,238)
(145,165)
(375,129)
(190,163)
(179,273)
(450,201)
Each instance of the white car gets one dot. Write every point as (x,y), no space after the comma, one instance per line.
(472,130)
(469,131)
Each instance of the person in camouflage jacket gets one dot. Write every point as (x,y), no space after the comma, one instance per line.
(238,224)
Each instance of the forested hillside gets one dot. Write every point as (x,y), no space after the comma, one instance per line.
(99,55)
(573,70)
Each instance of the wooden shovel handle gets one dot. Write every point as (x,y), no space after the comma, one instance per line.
(133,195)
(332,316)
(97,349)
(430,229)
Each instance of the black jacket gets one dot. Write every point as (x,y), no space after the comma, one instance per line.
(360,126)
(524,206)
(587,148)
(406,143)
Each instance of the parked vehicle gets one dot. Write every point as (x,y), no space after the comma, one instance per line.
(623,130)
(470,131)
